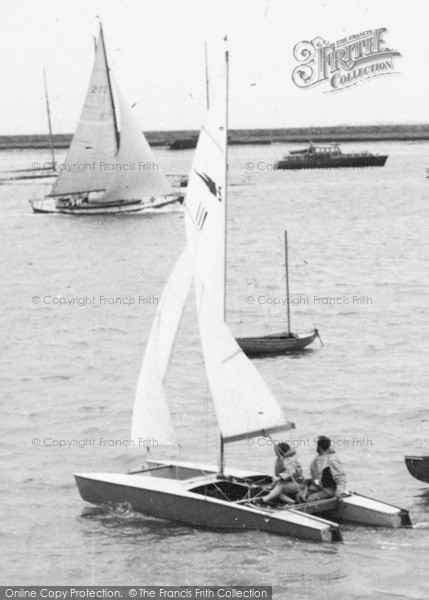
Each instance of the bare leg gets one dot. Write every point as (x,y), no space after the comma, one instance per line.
(285,491)
(320,495)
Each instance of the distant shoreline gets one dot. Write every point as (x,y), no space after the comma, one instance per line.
(367,133)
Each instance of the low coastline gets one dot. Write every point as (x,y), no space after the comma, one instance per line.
(249,136)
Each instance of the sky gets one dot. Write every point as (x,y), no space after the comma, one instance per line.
(156,54)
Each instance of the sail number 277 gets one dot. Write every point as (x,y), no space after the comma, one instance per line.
(99,89)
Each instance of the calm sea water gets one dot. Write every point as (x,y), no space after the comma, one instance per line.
(358,270)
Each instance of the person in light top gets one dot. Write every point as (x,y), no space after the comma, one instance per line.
(327,473)
(289,480)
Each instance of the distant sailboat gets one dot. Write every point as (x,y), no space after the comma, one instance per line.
(279,343)
(105,172)
(194,493)
(48,169)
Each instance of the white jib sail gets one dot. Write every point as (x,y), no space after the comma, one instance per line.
(94,146)
(244,405)
(137,174)
(151,422)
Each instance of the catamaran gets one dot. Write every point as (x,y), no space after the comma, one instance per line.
(279,343)
(104,171)
(204,495)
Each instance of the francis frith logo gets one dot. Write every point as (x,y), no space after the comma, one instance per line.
(344,63)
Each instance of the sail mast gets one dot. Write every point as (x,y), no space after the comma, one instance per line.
(51,141)
(226,183)
(222,443)
(207,77)
(109,83)
(287,285)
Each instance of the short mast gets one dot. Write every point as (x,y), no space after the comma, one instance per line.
(51,141)
(222,457)
(287,285)
(115,122)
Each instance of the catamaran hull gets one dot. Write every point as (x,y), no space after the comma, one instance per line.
(360,510)
(275,344)
(179,492)
(201,511)
(49,205)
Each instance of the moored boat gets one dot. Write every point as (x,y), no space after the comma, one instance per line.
(276,343)
(418,466)
(279,343)
(46,171)
(107,172)
(183,143)
(329,157)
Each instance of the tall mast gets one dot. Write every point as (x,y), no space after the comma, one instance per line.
(51,141)
(222,444)
(115,122)
(226,183)
(207,77)
(287,285)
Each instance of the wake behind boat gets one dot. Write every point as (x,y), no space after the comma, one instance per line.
(197,494)
(104,172)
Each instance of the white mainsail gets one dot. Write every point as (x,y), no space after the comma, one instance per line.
(151,421)
(205,205)
(137,174)
(94,144)
(244,405)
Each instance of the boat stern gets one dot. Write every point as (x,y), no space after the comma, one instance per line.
(366,511)
(47,205)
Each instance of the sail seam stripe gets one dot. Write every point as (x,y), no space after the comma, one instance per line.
(215,142)
(231,356)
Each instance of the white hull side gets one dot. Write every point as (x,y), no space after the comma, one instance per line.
(174,500)
(50,205)
(167,492)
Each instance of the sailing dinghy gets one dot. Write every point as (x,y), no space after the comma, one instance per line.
(279,343)
(105,172)
(198,494)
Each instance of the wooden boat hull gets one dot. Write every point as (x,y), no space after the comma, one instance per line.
(418,466)
(50,205)
(341,162)
(188,493)
(275,344)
